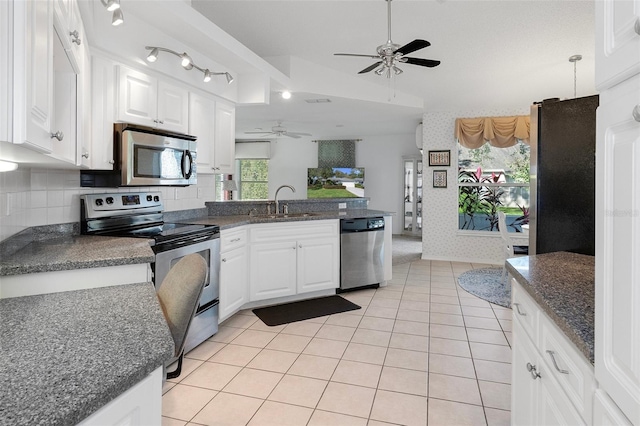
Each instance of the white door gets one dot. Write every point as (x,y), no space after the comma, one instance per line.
(137,97)
(273,270)
(317,264)
(202,112)
(233,282)
(617,325)
(617,41)
(173,108)
(225,140)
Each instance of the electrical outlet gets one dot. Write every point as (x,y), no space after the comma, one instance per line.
(342,205)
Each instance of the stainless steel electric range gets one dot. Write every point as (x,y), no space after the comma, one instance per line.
(141,215)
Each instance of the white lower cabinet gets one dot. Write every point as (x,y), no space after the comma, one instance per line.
(234,277)
(138,406)
(552,383)
(293,258)
(606,412)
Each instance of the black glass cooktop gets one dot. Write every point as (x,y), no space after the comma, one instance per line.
(170,231)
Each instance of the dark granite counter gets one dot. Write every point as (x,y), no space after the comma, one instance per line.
(65,355)
(562,284)
(76,252)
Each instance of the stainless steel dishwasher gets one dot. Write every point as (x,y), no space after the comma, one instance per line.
(361,252)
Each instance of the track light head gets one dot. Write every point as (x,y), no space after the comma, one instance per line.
(118,18)
(229,78)
(113,5)
(153,55)
(186,61)
(207,76)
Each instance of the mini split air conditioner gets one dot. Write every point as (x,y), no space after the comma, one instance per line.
(419,136)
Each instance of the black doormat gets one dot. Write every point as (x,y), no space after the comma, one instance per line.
(303,310)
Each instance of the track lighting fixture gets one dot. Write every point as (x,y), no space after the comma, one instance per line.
(186,62)
(114,6)
(286,94)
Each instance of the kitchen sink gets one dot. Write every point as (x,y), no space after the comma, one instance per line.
(285,215)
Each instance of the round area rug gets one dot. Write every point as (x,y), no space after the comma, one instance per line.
(486,284)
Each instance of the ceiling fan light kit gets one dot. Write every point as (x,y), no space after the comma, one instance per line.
(390,54)
(186,62)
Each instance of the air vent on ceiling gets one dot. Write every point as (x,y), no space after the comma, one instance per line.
(317,101)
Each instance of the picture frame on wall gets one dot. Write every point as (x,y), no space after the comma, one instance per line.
(440,158)
(439,178)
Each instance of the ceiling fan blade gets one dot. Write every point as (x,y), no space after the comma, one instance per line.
(422,62)
(412,46)
(299,134)
(291,135)
(355,54)
(259,133)
(370,67)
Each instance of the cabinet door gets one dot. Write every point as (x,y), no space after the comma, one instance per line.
(234,286)
(554,408)
(225,140)
(103,113)
(617,329)
(173,108)
(617,41)
(605,411)
(33,62)
(317,264)
(137,97)
(524,387)
(202,112)
(273,270)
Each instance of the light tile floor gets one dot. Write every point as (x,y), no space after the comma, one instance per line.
(421,351)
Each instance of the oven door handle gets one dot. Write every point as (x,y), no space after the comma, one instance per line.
(187,164)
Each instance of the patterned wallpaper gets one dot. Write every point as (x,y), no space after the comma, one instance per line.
(441,239)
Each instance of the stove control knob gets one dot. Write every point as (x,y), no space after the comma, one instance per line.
(109,200)
(149,198)
(99,201)
(156,198)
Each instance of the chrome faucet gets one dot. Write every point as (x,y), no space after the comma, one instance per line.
(276,197)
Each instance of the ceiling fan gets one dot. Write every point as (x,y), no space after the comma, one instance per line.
(391,54)
(279,130)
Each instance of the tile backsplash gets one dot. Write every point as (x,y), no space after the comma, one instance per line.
(35,197)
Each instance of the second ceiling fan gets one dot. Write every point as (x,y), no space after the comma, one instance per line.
(391,54)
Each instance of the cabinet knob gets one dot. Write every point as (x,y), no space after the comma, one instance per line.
(75,37)
(300,245)
(85,155)
(224,259)
(636,113)
(111,162)
(532,369)
(58,135)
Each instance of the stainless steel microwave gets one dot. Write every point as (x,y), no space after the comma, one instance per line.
(144,156)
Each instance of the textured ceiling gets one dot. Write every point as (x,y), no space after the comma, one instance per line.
(493,53)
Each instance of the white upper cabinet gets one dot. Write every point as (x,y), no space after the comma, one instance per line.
(145,100)
(98,148)
(617,41)
(33,74)
(202,125)
(225,139)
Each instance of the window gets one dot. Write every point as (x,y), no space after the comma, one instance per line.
(493,179)
(254,179)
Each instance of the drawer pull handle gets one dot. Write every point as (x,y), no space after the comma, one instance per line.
(235,240)
(532,369)
(555,364)
(517,305)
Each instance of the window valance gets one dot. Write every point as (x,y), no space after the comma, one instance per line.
(501,132)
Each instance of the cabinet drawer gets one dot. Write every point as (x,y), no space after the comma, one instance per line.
(287,231)
(232,239)
(525,310)
(569,367)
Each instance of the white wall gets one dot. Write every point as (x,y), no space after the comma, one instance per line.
(381,157)
(441,239)
(34,197)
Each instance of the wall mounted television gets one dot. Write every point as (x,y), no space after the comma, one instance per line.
(335,182)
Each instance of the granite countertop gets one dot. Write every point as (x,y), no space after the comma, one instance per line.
(563,284)
(76,252)
(65,355)
(228,222)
